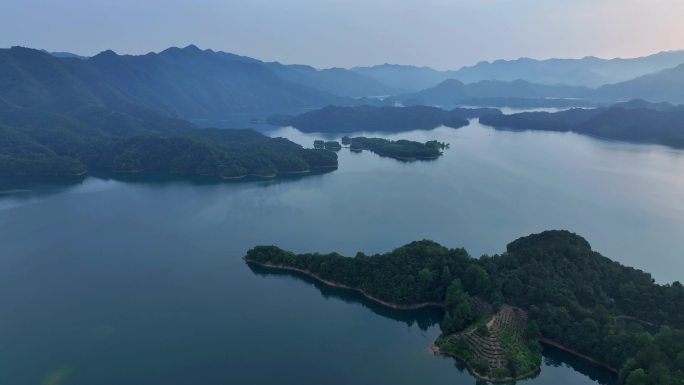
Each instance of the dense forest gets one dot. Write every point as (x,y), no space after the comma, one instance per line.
(336,119)
(65,117)
(56,145)
(406,150)
(574,295)
(635,121)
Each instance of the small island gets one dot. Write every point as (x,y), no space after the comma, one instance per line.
(549,288)
(332,145)
(335,119)
(404,150)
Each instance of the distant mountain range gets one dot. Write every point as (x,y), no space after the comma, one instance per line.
(183,83)
(64,114)
(65,54)
(70,116)
(662,86)
(190,83)
(589,71)
(406,77)
(338,81)
(452,92)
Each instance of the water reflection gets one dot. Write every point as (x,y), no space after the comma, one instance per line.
(423,318)
(22,189)
(558,358)
(198,180)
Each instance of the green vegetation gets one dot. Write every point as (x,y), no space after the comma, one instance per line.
(335,119)
(187,83)
(332,145)
(570,294)
(41,144)
(355,147)
(498,347)
(394,277)
(635,121)
(68,117)
(406,150)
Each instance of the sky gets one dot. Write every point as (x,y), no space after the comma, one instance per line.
(444,34)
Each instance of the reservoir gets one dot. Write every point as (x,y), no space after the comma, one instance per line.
(139,280)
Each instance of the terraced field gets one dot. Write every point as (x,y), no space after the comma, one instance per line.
(495,349)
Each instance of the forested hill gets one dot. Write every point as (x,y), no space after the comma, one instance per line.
(51,149)
(113,113)
(636,121)
(338,119)
(574,295)
(186,83)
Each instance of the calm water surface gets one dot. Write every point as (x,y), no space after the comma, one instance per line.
(116,282)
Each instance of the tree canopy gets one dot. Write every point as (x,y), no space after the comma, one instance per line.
(574,295)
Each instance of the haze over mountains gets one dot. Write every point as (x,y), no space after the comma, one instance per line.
(453,92)
(191,83)
(176,82)
(61,99)
(589,71)
(187,82)
(68,116)
(662,86)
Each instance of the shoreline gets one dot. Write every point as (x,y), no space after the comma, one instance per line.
(340,286)
(434,348)
(436,351)
(566,349)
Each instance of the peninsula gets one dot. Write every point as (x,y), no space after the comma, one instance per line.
(220,153)
(636,121)
(549,287)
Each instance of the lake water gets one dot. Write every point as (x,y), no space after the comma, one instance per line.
(110,281)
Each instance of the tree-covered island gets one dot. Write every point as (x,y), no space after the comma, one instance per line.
(549,287)
(405,150)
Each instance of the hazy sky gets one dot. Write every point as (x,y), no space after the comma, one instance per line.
(324,33)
